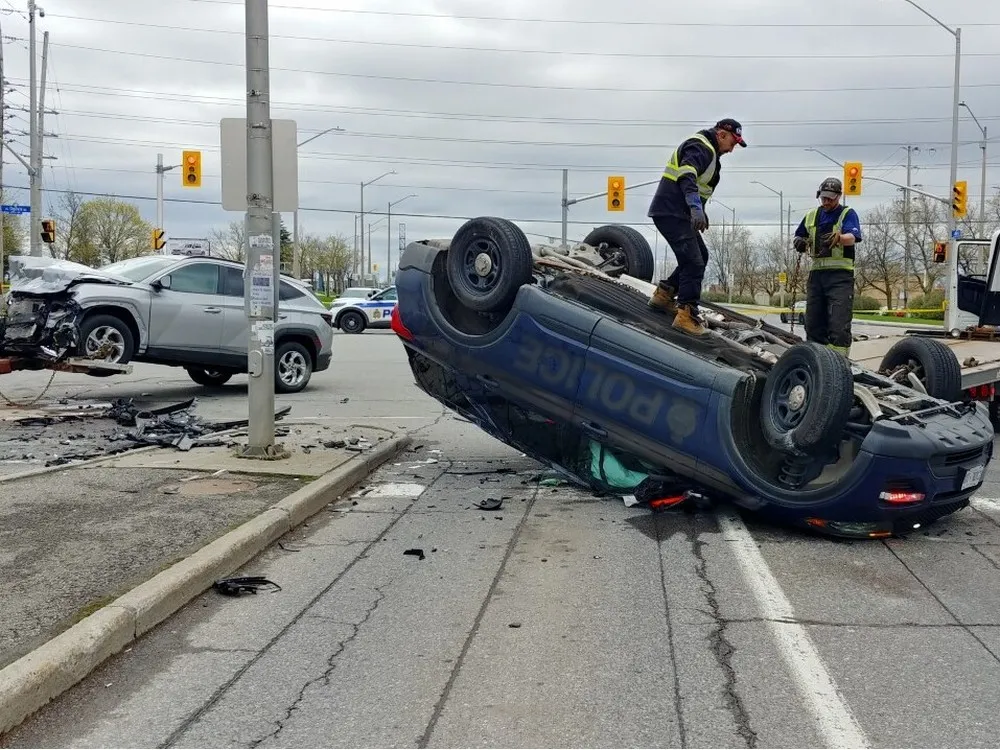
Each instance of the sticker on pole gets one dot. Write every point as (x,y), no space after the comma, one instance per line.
(264,333)
(261,242)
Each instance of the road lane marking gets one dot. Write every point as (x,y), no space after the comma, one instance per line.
(836,723)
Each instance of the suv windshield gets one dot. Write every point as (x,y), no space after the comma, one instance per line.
(136,269)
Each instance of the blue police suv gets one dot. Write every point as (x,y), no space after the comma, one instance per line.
(555,352)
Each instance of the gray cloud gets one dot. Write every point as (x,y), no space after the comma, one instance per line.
(617,108)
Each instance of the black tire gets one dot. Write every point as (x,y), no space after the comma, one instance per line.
(934,364)
(817,423)
(639,261)
(489,260)
(209,377)
(352,322)
(802,319)
(121,337)
(784,317)
(292,354)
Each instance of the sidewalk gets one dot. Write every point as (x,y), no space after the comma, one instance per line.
(93,555)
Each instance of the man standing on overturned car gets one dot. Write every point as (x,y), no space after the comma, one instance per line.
(678,211)
(830,234)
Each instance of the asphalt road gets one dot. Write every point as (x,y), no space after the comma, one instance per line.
(560,619)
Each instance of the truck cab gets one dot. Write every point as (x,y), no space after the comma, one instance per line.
(979,291)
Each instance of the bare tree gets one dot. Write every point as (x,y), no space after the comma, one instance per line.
(878,262)
(230,243)
(71,232)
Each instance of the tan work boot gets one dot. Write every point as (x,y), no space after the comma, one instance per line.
(688,321)
(663,300)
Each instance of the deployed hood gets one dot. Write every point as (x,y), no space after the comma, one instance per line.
(32,275)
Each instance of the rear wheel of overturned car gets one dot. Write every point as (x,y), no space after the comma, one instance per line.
(106,338)
(807,400)
(634,248)
(293,367)
(930,361)
(489,260)
(209,377)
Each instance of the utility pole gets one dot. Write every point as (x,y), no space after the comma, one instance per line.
(388,235)
(296,251)
(565,206)
(982,192)
(34,236)
(364,266)
(3,140)
(262,264)
(41,133)
(906,229)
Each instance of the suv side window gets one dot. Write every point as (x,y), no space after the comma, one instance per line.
(287,291)
(196,278)
(389,295)
(232,282)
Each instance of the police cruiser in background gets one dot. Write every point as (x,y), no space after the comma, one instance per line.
(357,309)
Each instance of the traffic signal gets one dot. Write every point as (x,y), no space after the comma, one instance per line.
(158,241)
(616,193)
(48,231)
(959,199)
(852,178)
(940,252)
(192,169)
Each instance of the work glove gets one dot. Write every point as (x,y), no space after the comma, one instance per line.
(801,244)
(831,239)
(698,218)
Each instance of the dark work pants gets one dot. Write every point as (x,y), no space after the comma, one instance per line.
(692,257)
(829,308)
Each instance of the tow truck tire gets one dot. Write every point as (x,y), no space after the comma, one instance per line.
(639,262)
(934,364)
(489,260)
(807,400)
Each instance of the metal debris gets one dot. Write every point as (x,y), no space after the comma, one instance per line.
(243,585)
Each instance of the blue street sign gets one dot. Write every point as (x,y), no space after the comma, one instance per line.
(956,234)
(14,208)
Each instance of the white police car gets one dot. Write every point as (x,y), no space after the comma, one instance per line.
(355,314)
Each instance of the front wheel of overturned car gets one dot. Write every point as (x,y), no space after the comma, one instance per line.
(634,248)
(807,400)
(106,338)
(932,363)
(488,261)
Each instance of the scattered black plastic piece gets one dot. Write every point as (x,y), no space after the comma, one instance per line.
(242,585)
(416,552)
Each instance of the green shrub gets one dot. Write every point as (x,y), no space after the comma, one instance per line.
(931,301)
(866,303)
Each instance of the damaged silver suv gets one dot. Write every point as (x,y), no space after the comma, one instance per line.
(168,310)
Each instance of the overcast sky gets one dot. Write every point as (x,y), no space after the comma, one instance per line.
(478,106)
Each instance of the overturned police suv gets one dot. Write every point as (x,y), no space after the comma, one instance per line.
(555,352)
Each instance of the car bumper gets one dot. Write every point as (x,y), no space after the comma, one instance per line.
(323,361)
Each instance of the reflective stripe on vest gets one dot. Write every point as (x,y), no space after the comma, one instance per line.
(674,170)
(836,261)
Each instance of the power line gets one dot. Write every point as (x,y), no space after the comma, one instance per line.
(599,22)
(111,91)
(528,86)
(346,211)
(601,52)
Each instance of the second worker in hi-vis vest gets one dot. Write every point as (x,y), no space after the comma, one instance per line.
(678,211)
(829,234)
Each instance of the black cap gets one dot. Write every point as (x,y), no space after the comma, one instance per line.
(733,127)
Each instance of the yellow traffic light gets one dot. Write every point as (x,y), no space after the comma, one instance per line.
(191,174)
(48,231)
(158,241)
(959,199)
(852,178)
(616,193)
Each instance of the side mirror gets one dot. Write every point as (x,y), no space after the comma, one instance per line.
(162,283)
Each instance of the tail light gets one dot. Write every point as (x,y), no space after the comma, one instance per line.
(901,497)
(396,324)
(982,392)
(328,317)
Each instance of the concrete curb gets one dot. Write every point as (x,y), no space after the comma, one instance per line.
(39,676)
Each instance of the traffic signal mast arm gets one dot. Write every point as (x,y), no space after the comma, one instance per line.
(572,201)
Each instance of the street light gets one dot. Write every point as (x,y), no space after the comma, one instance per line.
(951,311)
(296,254)
(388,235)
(362,223)
(728,249)
(982,195)
(781,210)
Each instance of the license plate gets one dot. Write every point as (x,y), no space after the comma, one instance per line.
(973,476)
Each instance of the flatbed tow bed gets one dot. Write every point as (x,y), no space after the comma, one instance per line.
(14,363)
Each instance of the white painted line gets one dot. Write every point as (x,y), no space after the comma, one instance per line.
(393,489)
(834,720)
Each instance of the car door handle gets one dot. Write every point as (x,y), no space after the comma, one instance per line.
(282,317)
(593,429)
(212,310)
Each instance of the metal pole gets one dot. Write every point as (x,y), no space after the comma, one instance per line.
(982,192)
(295,244)
(951,314)
(159,191)
(565,206)
(906,230)
(41,130)
(3,135)
(361,263)
(261,299)
(354,259)
(35,192)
